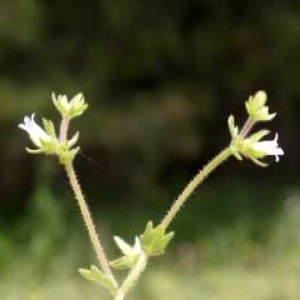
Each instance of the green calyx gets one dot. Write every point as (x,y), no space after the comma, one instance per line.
(155,240)
(256,108)
(70,109)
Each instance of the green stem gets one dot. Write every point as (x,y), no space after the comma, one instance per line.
(132,277)
(84,209)
(87,217)
(192,185)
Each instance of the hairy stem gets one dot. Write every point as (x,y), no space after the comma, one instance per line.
(86,215)
(132,277)
(192,185)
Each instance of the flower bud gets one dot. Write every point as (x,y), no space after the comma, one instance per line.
(256,108)
(70,109)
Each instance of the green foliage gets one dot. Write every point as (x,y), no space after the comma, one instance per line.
(48,230)
(210,266)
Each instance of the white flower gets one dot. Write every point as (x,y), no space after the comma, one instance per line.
(36,133)
(46,141)
(269,148)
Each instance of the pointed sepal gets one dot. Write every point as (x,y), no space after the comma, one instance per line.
(233,129)
(124,262)
(155,240)
(131,254)
(257,109)
(96,275)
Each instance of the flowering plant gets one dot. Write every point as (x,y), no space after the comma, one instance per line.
(155,239)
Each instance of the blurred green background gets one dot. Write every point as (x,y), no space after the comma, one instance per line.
(161,78)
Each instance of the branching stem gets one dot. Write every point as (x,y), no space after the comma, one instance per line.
(132,277)
(84,209)
(86,215)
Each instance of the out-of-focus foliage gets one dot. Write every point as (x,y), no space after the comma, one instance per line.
(228,263)
(161,78)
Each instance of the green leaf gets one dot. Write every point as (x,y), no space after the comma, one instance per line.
(94,274)
(125,262)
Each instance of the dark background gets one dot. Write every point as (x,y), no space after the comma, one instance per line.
(161,79)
